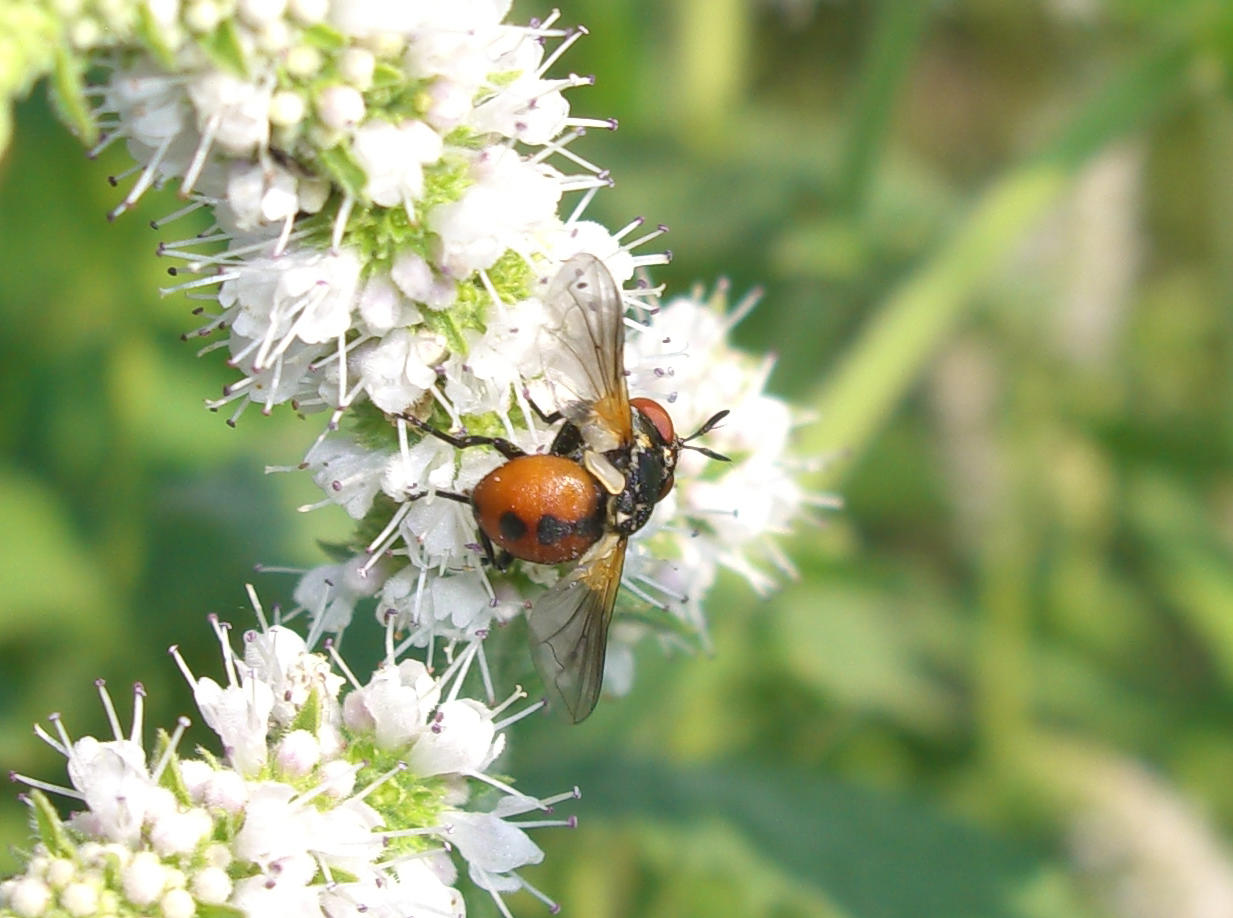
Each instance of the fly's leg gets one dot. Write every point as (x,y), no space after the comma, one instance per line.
(500,444)
(568,441)
(498,559)
(539,412)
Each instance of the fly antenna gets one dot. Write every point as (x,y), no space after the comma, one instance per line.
(705,429)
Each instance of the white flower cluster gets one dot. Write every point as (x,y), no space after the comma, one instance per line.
(318,806)
(386,182)
(718,514)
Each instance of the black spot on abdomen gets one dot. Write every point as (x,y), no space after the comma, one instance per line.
(551,529)
(512,526)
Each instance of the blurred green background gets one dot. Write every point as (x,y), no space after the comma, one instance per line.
(998,254)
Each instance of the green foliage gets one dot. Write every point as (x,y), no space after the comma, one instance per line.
(998,263)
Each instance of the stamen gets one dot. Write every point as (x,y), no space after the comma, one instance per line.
(341,664)
(557,145)
(574,794)
(643,595)
(659,258)
(109,708)
(553,907)
(229,662)
(604,124)
(628,228)
(655,584)
(486,676)
(463,659)
(193,172)
(390,529)
(542,29)
(182,724)
(569,822)
(514,718)
(205,238)
(582,206)
(340,221)
(51,741)
(145,181)
(106,141)
(578,160)
(390,620)
(502,786)
(60,730)
(572,36)
(285,236)
(743,308)
(174,650)
(235,415)
(517,695)
(255,602)
(184,211)
(413,833)
(482,879)
(378,781)
(211,347)
(658,231)
(570,183)
(219,279)
(45,786)
(139,709)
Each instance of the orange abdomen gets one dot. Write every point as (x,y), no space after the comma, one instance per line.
(545,509)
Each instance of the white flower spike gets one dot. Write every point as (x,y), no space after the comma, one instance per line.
(353,808)
(393,189)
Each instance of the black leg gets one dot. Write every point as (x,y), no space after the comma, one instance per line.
(500,444)
(498,559)
(546,418)
(449,495)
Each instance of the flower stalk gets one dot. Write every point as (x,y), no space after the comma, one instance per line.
(390,190)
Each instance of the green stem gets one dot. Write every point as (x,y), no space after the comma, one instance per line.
(713,48)
(897,29)
(891,354)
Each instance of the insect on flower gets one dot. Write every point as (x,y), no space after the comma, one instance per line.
(610,462)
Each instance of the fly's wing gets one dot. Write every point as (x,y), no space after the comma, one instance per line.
(585,318)
(569,628)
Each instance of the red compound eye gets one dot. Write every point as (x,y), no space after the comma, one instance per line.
(654,412)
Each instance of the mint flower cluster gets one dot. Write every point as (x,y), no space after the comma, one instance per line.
(333,798)
(391,189)
(387,185)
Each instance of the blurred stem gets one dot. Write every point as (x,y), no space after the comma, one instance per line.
(1216,119)
(713,64)
(897,29)
(894,349)
(1002,683)
(128,373)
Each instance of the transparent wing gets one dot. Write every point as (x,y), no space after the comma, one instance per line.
(569,628)
(585,317)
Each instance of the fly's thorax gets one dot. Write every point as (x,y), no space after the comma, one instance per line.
(647,466)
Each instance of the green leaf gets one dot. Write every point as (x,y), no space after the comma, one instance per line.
(449,325)
(219,911)
(171,778)
(151,35)
(340,166)
(386,76)
(50,829)
(309,716)
(873,854)
(224,48)
(68,80)
(323,37)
